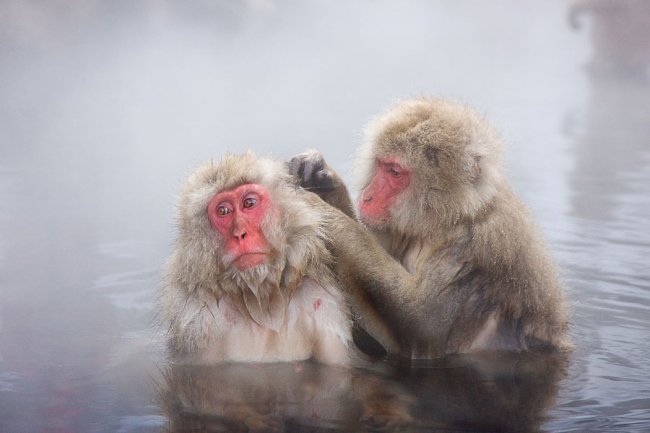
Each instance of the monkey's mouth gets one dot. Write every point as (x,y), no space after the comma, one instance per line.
(375,221)
(373,214)
(250,259)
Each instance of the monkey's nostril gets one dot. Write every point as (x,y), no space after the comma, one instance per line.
(239,234)
(367,198)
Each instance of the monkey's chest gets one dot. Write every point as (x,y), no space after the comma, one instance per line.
(314,319)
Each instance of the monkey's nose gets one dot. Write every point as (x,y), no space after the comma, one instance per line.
(366,198)
(239,233)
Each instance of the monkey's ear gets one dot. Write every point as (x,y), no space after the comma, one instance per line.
(473,167)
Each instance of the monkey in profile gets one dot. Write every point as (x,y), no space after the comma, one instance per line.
(250,278)
(467,269)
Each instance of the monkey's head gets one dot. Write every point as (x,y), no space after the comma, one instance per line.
(427,162)
(241,224)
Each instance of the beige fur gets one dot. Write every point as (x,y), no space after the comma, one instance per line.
(468,269)
(429,132)
(289,309)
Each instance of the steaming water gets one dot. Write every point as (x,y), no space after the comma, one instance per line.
(105,107)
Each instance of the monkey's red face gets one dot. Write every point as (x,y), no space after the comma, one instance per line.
(388,181)
(237,216)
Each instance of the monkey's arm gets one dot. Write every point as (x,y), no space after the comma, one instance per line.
(192,323)
(414,307)
(313,174)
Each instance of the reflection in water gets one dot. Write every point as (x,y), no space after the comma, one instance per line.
(611,146)
(498,393)
(506,392)
(259,397)
(613,143)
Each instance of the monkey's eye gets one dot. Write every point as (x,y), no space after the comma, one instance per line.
(223,210)
(394,170)
(249,202)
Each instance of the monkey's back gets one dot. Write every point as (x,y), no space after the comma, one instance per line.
(513,270)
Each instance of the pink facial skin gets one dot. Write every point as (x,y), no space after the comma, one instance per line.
(388,181)
(237,215)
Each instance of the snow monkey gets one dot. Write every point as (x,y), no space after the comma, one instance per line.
(251,277)
(468,270)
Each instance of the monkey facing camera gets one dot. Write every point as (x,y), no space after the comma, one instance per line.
(250,278)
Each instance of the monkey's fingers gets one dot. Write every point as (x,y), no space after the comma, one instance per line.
(312,171)
(296,166)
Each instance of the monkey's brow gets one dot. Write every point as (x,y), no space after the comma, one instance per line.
(218,179)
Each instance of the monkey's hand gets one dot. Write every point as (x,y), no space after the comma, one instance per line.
(313,174)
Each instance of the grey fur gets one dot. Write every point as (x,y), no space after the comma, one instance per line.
(467,269)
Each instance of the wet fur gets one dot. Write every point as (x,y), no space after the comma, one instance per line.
(203,293)
(468,268)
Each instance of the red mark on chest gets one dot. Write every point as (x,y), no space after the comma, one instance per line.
(317,303)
